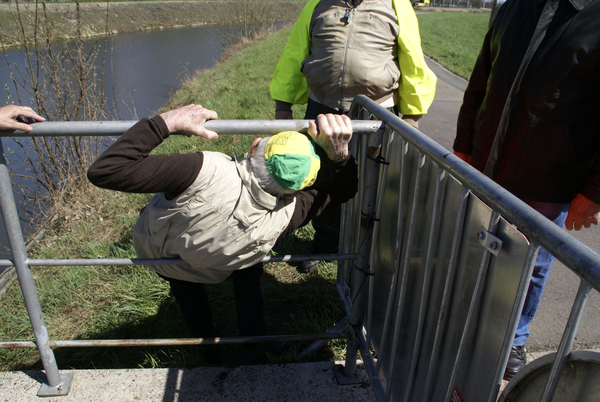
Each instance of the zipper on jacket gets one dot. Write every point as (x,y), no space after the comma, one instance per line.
(343,75)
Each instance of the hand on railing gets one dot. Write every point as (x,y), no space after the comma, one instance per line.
(190,120)
(333,134)
(13,117)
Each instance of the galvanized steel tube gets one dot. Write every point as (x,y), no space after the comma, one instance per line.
(514,316)
(475,302)
(578,257)
(456,240)
(72,262)
(405,267)
(176,342)
(435,213)
(17,246)
(222,127)
(382,184)
(399,235)
(366,233)
(564,349)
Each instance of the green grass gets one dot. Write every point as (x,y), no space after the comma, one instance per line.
(453,39)
(132,302)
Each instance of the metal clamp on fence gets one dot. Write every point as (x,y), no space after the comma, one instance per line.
(489,241)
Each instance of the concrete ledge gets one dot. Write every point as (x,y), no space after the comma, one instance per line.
(290,382)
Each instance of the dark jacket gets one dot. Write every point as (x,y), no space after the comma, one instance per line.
(550,152)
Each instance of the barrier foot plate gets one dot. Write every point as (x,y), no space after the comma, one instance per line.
(62,389)
(359,377)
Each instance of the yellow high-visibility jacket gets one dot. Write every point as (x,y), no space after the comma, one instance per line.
(416,84)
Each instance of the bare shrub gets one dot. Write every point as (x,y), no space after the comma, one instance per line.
(61,82)
(249,19)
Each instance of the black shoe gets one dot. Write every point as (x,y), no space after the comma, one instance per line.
(516,361)
(212,354)
(253,353)
(258,353)
(307,267)
(276,349)
(310,266)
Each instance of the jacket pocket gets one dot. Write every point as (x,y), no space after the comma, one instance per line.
(321,74)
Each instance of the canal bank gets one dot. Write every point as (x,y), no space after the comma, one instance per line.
(119,17)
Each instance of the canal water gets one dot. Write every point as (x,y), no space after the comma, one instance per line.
(143,68)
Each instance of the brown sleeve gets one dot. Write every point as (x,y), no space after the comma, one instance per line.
(127,166)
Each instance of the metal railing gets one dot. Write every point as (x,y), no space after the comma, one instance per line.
(431,265)
(444,261)
(59,384)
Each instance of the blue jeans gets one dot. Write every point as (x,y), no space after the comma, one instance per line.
(557,213)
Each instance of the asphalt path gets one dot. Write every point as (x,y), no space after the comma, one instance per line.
(548,326)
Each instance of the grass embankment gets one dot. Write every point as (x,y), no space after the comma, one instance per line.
(31,20)
(132,302)
(453,39)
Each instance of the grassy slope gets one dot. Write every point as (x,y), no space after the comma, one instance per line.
(131,302)
(453,39)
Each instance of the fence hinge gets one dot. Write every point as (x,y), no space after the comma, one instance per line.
(489,241)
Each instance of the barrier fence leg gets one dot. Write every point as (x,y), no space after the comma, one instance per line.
(56,385)
(566,343)
(317,345)
(362,268)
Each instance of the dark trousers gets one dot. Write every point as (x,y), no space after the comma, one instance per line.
(326,225)
(195,308)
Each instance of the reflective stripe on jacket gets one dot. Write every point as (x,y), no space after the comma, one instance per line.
(223,222)
(414,87)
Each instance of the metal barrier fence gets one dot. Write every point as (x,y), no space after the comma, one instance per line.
(432,277)
(444,260)
(59,384)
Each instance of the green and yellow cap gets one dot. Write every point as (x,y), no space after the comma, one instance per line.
(291,159)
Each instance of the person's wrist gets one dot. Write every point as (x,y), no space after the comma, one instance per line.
(281,106)
(338,155)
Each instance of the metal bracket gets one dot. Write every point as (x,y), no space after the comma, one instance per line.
(63,389)
(489,241)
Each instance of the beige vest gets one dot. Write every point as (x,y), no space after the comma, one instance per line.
(357,58)
(223,222)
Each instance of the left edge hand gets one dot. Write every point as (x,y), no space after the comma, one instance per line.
(11,117)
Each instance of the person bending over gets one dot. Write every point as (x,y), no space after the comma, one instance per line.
(219,214)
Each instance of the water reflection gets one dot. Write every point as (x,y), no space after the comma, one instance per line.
(143,68)
(146,67)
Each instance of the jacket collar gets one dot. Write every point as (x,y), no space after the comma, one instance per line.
(258,194)
(577,4)
(580,4)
